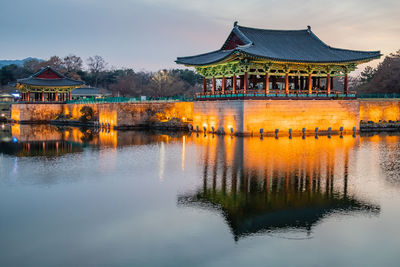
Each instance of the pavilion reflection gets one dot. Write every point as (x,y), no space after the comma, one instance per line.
(272,185)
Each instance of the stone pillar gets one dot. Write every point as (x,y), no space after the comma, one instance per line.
(267,83)
(246,82)
(328,83)
(223,84)
(204,85)
(214,84)
(346,84)
(234,84)
(309,84)
(287,83)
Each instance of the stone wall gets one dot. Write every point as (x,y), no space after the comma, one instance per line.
(249,116)
(116,114)
(379,110)
(243,116)
(35,112)
(217,114)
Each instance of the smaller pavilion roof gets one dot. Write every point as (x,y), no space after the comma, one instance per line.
(278,45)
(49,77)
(89,91)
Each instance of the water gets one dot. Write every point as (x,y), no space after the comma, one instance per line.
(81,198)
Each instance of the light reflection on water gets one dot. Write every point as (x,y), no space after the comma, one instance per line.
(82,197)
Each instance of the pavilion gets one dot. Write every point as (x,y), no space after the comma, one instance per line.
(275,64)
(47,85)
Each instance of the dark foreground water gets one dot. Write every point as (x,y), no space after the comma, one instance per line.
(81,198)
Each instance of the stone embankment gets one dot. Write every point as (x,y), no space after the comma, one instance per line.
(239,117)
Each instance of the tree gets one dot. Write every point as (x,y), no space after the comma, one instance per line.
(32,65)
(55,62)
(386,78)
(87,114)
(72,63)
(367,74)
(96,65)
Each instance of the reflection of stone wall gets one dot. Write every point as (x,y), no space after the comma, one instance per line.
(381,109)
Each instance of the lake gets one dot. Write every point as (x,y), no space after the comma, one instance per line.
(80,197)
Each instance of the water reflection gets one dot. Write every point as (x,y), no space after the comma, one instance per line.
(47,140)
(275,185)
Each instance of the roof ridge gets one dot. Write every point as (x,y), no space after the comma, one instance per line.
(272,30)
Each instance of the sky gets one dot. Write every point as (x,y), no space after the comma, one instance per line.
(151,34)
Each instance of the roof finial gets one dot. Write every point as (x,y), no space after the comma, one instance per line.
(235,24)
(308,28)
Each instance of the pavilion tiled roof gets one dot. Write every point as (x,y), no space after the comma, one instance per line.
(60,80)
(279,45)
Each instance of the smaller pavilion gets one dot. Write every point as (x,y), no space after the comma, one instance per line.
(47,85)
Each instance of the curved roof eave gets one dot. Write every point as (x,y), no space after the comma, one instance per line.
(316,62)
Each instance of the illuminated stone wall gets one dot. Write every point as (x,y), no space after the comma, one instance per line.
(243,116)
(298,114)
(115,114)
(249,116)
(379,110)
(35,112)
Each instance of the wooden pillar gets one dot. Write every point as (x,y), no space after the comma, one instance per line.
(56,98)
(332,89)
(234,84)
(267,83)
(28,96)
(328,83)
(69,95)
(309,84)
(287,83)
(246,82)
(214,84)
(204,85)
(223,84)
(346,84)
(42,96)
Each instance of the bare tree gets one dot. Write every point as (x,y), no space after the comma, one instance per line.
(96,65)
(72,63)
(55,62)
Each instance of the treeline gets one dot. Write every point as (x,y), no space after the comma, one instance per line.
(385,78)
(121,82)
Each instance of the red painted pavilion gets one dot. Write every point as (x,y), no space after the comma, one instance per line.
(275,64)
(47,85)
